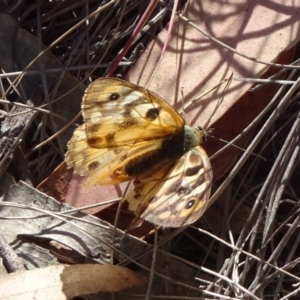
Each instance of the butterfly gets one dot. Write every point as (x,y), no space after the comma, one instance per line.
(130,133)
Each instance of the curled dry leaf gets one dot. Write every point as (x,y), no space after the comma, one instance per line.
(65,282)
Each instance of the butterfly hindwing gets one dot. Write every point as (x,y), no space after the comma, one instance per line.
(178,194)
(108,165)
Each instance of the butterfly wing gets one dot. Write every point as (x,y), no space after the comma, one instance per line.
(127,134)
(108,165)
(177,195)
(119,113)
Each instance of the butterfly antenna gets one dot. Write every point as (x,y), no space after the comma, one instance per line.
(229,143)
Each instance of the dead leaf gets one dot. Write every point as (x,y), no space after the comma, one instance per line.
(65,282)
(89,236)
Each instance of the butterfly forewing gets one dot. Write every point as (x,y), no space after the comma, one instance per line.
(119,113)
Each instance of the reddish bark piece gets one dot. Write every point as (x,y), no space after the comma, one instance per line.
(57,184)
(196,63)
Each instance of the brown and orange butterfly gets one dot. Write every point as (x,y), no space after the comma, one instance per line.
(132,133)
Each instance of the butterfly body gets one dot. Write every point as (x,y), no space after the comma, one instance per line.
(169,149)
(131,133)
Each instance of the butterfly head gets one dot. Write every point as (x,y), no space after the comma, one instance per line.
(204,133)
